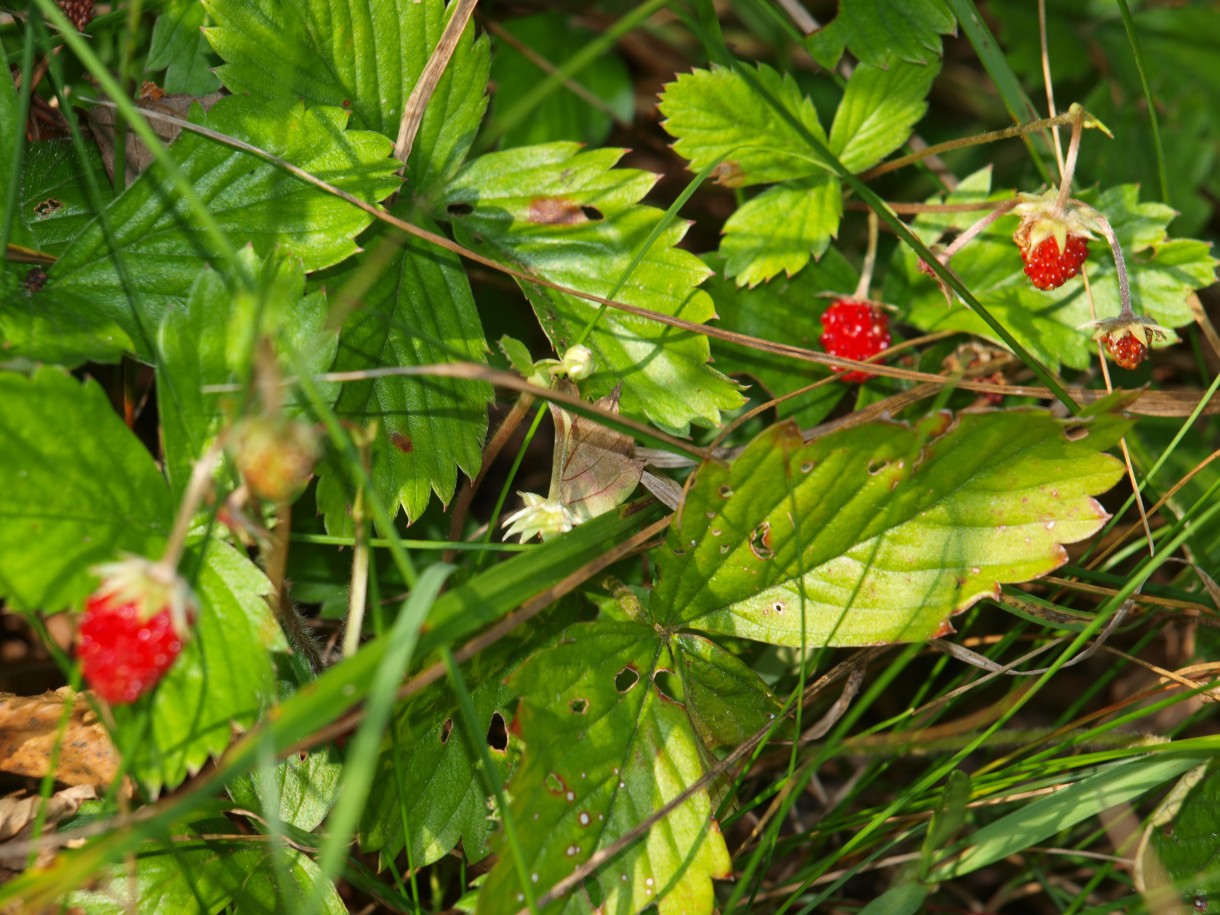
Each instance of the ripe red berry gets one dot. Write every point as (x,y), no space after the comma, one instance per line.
(1050,269)
(1125,350)
(854,330)
(132,629)
(79,12)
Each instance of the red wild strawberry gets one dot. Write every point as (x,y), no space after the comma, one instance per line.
(854,330)
(79,12)
(1126,351)
(1050,269)
(133,628)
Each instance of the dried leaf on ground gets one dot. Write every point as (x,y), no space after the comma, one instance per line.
(30,730)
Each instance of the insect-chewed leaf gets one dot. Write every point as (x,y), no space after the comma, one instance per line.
(881,532)
(607,744)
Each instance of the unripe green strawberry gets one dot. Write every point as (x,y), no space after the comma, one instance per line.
(275,456)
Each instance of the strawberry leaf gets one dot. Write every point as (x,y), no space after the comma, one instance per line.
(251,199)
(178,47)
(900,527)
(716,116)
(419,310)
(223,680)
(605,747)
(778,230)
(879,33)
(572,218)
(362,55)
(878,111)
(56,205)
(79,490)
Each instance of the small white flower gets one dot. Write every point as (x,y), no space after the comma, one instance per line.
(577,363)
(541,516)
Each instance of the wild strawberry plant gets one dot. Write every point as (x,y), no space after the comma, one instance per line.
(871,412)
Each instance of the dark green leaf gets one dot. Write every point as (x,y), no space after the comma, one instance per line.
(79,489)
(56,203)
(55,325)
(880,532)
(1181,842)
(419,310)
(572,218)
(252,200)
(878,32)
(362,55)
(562,115)
(178,47)
(726,701)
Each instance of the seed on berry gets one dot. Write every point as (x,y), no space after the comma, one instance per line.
(1050,269)
(1125,350)
(79,12)
(854,330)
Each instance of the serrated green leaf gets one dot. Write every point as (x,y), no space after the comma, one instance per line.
(251,199)
(604,749)
(79,489)
(784,311)
(178,47)
(780,229)
(561,115)
(55,204)
(726,701)
(194,875)
(572,218)
(881,532)
(359,54)
(879,32)
(223,680)
(715,115)
(419,310)
(433,789)
(879,110)
(1163,273)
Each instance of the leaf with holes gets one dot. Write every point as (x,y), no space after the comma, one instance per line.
(881,532)
(717,116)
(362,55)
(428,769)
(159,247)
(572,218)
(614,719)
(418,310)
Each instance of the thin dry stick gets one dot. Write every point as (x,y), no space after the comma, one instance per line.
(417,102)
(1050,89)
(870,259)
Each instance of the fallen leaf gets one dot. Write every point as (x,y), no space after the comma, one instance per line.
(30,729)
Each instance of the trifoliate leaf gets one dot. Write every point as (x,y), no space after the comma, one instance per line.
(562,115)
(716,115)
(363,55)
(879,33)
(880,532)
(224,679)
(605,748)
(784,311)
(79,490)
(150,230)
(1163,272)
(780,229)
(878,111)
(572,218)
(418,310)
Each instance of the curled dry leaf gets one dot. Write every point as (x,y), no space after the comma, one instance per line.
(30,727)
(18,812)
